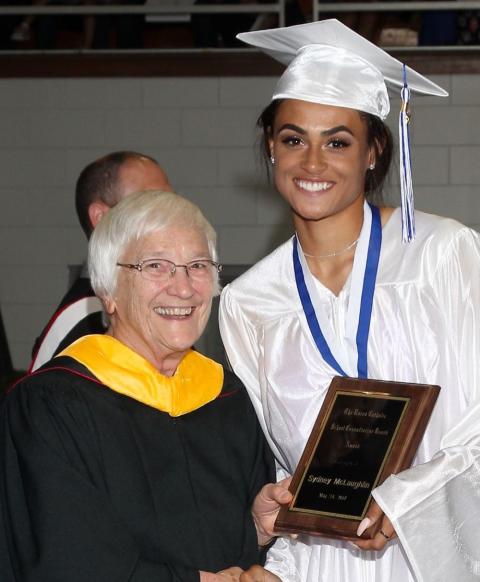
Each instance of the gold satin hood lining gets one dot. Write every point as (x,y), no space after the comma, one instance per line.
(197,380)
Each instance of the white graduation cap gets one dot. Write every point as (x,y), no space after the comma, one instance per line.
(331,64)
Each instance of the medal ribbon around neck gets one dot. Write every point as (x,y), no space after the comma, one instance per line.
(366,261)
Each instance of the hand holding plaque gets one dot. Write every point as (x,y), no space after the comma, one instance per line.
(365,431)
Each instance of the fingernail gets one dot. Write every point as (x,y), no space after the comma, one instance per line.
(366,522)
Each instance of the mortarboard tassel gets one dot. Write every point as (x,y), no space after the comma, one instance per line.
(406,186)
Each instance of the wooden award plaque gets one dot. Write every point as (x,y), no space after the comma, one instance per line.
(365,431)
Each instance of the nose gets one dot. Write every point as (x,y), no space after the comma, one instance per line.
(314,159)
(180,284)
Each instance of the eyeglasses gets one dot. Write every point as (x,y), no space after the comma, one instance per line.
(163,269)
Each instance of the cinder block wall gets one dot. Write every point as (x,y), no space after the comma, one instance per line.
(202,131)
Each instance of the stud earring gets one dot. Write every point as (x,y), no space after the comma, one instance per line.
(371,167)
(272,160)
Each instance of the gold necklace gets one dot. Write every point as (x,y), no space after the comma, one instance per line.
(334,254)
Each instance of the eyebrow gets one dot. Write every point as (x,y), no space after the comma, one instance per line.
(326,132)
(161,255)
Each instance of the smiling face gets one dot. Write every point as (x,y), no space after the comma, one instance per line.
(321,158)
(161,320)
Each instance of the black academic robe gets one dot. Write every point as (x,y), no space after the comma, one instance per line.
(97,487)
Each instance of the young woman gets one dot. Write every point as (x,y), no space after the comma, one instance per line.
(291,323)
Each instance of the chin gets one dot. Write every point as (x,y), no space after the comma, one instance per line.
(183,344)
(309,215)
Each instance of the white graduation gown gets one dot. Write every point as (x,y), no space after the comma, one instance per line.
(425,328)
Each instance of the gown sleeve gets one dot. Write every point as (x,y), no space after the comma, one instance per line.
(435,506)
(243,344)
(56,523)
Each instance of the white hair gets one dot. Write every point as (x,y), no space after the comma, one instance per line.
(131,219)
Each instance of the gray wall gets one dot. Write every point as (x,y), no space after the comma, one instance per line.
(202,131)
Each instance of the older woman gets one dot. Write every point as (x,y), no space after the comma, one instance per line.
(131,456)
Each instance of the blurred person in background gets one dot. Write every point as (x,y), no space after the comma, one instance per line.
(101,185)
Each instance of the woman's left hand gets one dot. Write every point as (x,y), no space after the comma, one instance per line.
(258,574)
(384,534)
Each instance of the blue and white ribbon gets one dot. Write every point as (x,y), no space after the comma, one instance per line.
(341,355)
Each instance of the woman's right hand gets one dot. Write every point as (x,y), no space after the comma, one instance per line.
(258,574)
(266,506)
(228,575)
